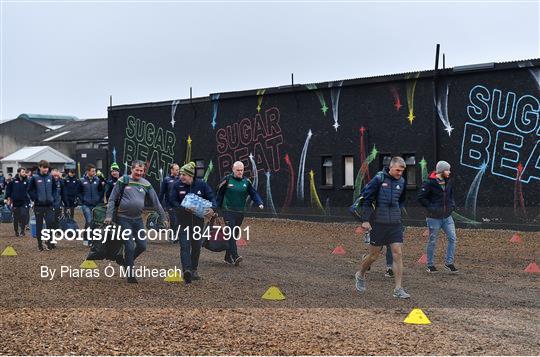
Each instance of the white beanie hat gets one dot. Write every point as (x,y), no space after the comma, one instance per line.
(442,166)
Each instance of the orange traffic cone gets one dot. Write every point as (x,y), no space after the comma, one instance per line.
(423,259)
(339,250)
(532,268)
(516,238)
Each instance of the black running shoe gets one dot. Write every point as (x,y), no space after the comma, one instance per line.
(389,273)
(238,260)
(451,268)
(195,275)
(132,280)
(431,269)
(187,276)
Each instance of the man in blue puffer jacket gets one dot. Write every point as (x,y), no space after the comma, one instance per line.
(383,199)
(91,192)
(42,190)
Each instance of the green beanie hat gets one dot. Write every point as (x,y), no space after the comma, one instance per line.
(188,169)
(115,166)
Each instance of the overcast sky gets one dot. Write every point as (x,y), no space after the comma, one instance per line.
(68,57)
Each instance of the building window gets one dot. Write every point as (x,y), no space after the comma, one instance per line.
(9,170)
(327,173)
(384,160)
(199,168)
(348,174)
(410,171)
(99,164)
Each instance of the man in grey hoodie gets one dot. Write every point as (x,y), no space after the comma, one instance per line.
(129,212)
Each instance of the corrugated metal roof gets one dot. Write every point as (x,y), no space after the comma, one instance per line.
(37,153)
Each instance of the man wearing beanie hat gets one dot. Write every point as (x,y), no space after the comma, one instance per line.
(111,181)
(190,246)
(437,197)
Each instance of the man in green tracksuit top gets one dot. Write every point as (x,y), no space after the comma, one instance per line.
(232,193)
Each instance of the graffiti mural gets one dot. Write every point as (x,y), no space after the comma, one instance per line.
(150,143)
(486,124)
(503,133)
(261,136)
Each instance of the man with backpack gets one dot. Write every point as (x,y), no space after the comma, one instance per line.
(379,209)
(190,241)
(42,190)
(233,191)
(437,197)
(17,196)
(125,208)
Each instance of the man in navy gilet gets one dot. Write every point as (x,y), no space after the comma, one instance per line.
(386,193)
(41,190)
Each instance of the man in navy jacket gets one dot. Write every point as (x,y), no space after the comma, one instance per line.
(383,199)
(437,197)
(165,191)
(70,192)
(190,242)
(17,196)
(41,190)
(91,192)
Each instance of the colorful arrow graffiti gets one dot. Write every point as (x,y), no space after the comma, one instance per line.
(362,172)
(188,150)
(301,168)
(215,103)
(411,87)
(472,195)
(440,97)
(397,99)
(290,186)
(209,170)
(334,96)
(313,87)
(260,94)
(314,196)
(173,111)
(269,199)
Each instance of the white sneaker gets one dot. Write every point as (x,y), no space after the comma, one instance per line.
(401,294)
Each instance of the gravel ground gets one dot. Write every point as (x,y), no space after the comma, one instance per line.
(490,308)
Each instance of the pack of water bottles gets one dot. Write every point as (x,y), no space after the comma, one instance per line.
(198,205)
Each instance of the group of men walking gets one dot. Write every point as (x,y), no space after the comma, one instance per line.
(379,208)
(126,203)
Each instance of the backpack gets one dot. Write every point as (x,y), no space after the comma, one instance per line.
(217,241)
(66,222)
(153,221)
(358,209)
